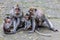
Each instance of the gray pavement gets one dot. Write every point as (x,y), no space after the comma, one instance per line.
(50,7)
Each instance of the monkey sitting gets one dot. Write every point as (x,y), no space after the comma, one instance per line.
(32,18)
(16,14)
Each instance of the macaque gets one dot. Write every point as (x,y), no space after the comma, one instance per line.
(43,21)
(39,19)
(32,18)
(7,26)
(27,22)
(16,15)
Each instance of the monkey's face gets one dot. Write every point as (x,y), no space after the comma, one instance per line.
(27,17)
(8,20)
(31,11)
(17,11)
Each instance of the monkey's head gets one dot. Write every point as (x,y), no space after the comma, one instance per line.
(7,20)
(32,11)
(27,16)
(17,9)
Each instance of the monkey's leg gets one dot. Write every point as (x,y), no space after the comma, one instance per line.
(15,25)
(18,24)
(50,26)
(33,25)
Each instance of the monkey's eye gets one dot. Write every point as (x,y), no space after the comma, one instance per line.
(17,9)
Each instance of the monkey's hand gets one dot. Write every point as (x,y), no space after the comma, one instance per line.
(53,29)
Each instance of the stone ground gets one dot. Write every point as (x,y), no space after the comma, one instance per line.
(50,7)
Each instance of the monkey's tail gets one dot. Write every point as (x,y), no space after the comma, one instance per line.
(47,35)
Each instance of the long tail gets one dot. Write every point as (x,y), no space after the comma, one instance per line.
(48,35)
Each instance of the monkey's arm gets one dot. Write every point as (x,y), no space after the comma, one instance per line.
(50,26)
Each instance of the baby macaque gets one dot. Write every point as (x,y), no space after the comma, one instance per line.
(27,22)
(7,26)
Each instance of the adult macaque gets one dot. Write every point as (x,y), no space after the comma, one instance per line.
(40,19)
(43,20)
(16,15)
(32,18)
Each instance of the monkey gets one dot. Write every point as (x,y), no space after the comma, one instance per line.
(7,25)
(40,19)
(27,22)
(32,19)
(43,20)
(16,14)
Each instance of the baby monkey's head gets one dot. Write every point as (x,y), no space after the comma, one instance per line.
(7,20)
(27,17)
